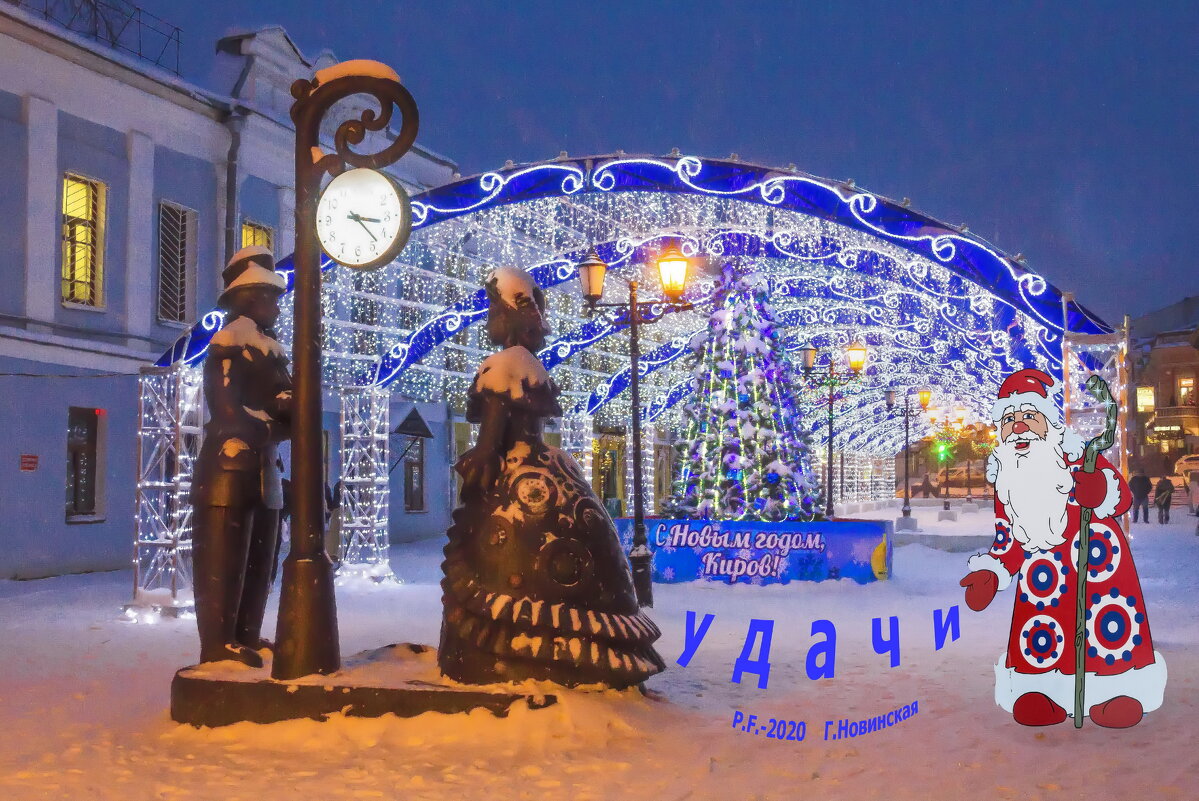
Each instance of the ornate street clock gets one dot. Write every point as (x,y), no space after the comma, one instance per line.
(363,219)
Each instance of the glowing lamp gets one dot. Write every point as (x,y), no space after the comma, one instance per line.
(592,271)
(672,271)
(926,396)
(809,358)
(856,353)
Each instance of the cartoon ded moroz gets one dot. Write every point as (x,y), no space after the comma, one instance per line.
(1041,490)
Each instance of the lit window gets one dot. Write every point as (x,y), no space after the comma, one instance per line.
(82,241)
(414,476)
(253,233)
(1186,390)
(1144,399)
(83,469)
(176,257)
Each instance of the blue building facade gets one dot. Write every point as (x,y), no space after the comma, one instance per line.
(117,218)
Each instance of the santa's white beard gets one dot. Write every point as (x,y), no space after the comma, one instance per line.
(1033,486)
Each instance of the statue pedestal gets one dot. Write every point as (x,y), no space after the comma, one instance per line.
(402,680)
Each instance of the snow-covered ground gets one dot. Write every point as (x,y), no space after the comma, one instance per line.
(83,703)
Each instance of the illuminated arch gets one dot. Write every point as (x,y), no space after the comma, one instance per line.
(938,306)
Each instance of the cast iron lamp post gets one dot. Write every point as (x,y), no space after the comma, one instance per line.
(306,635)
(949,429)
(672,272)
(981,443)
(907,414)
(855,355)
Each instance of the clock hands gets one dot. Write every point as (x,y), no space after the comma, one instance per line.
(362,221)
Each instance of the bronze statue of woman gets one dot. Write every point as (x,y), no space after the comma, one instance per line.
(536,585)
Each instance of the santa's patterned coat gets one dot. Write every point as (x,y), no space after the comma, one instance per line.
(1120,659)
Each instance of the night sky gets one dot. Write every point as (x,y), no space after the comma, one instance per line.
(1066,131)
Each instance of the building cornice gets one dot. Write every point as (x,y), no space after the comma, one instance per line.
(68,351)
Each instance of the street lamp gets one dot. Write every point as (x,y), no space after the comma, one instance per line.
(855,355)
(981,443)
(672,272)
(908,413)
(949,430)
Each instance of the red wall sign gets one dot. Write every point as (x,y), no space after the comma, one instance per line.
(28,462)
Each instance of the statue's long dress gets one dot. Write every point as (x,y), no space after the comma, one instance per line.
(536,585)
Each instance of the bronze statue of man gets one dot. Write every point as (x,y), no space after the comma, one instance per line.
(237,492)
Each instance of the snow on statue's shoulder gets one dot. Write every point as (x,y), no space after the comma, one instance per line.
(243,333)
(510,371)
(360,66)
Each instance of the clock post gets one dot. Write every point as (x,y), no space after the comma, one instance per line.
(306,635)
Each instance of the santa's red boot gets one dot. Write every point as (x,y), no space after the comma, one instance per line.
(1121,712)
(1037,709)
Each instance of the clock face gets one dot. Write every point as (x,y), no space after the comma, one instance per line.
(363,219)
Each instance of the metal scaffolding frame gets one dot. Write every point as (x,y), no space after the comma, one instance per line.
(365,428)
(170,429)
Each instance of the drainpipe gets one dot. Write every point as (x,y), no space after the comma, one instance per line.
(234,122)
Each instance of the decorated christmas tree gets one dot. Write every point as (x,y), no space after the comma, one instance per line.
(742,455)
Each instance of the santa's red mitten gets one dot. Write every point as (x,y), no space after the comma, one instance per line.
(981,586)
(1090,489)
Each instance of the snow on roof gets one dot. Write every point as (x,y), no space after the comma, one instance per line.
(249,252)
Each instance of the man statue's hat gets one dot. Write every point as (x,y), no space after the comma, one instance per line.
(251,266)
(1031,387)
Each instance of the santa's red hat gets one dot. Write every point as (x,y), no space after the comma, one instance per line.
(1030,387)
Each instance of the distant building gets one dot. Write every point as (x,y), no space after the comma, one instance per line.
(128,187)
(1166,374)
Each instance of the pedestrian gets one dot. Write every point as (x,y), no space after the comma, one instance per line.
(927,487)
(1140,485)
(1163,496)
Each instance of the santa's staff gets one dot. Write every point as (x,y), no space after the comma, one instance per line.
(1099,388)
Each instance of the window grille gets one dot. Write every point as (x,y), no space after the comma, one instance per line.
(253,233)
(176,255)
(82,452)
(82,241)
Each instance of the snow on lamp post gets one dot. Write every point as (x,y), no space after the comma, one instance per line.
(855,355)
(672,271)
(307,629)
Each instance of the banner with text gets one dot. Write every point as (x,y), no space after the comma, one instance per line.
(765,553)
